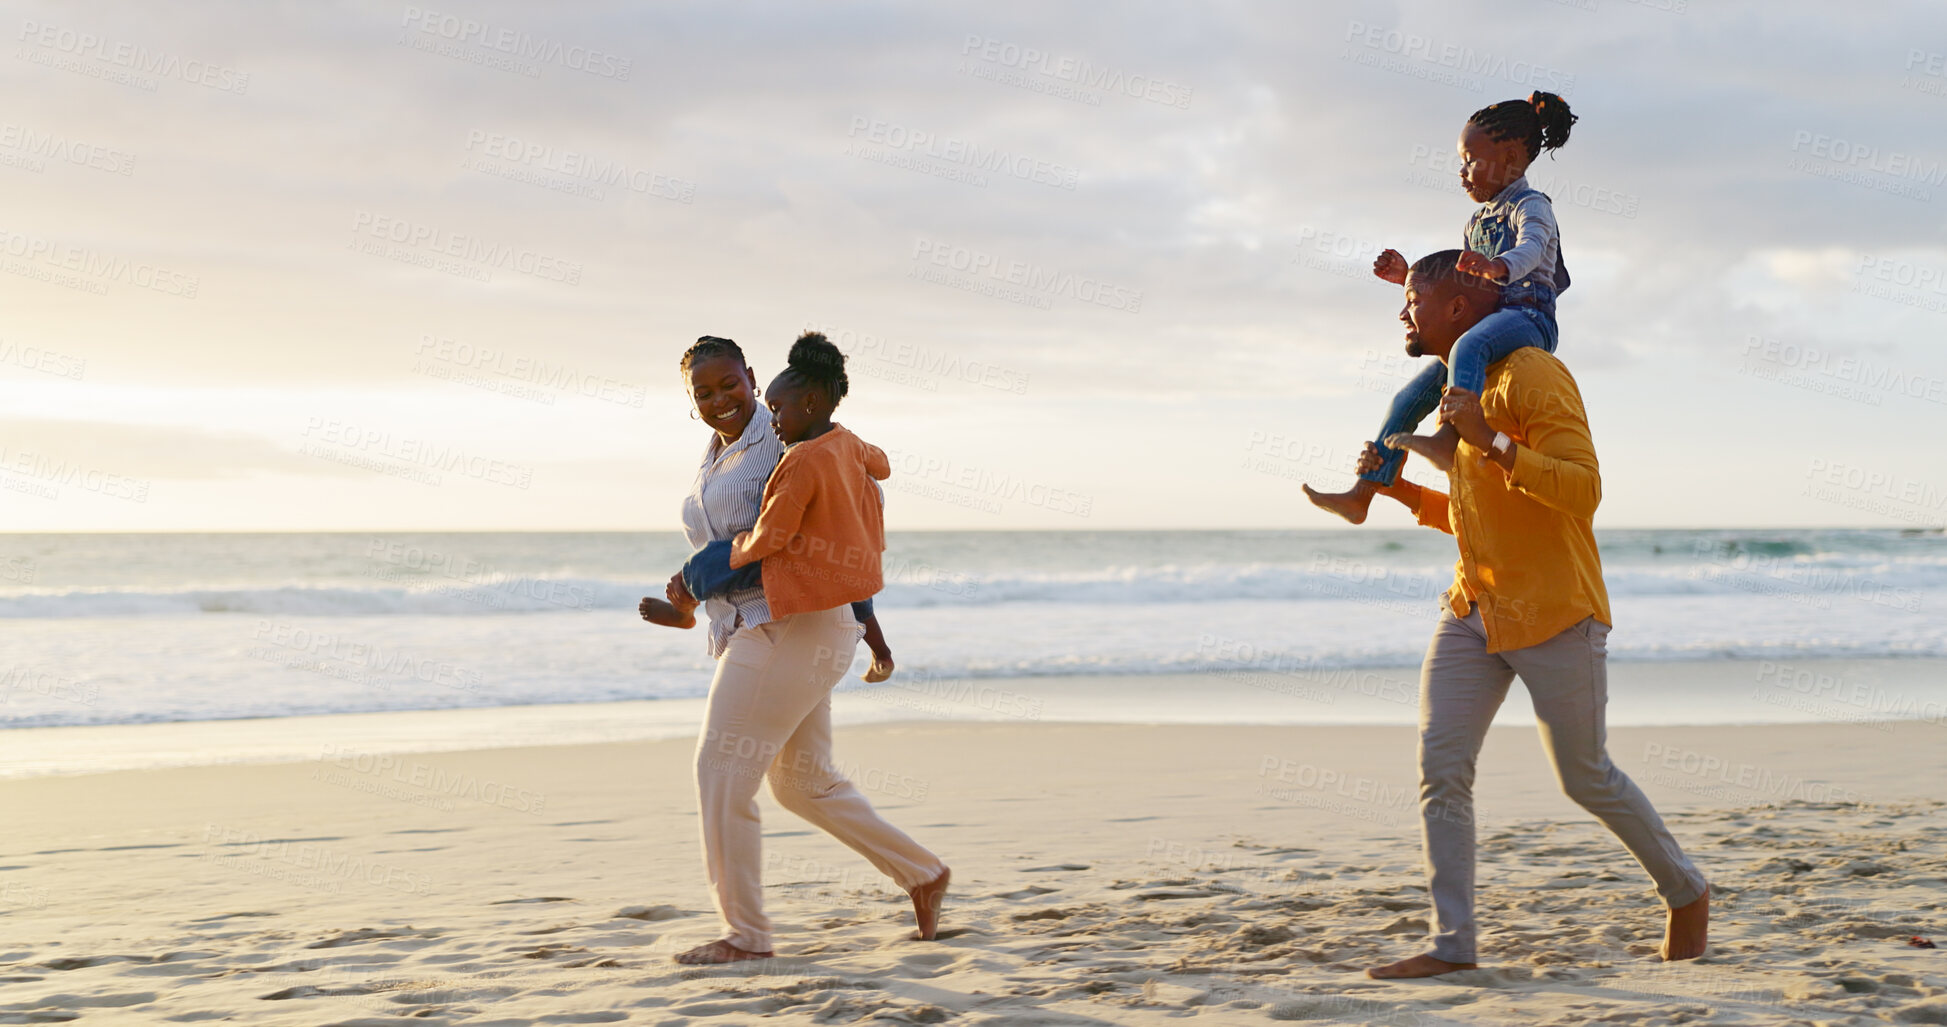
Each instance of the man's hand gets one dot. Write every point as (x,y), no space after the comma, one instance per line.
(1462,409)
(1405,491)
(1391,267)
(1493,269)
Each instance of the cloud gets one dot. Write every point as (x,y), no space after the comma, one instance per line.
(1141,208)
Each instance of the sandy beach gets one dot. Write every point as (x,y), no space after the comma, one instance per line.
(1104,874)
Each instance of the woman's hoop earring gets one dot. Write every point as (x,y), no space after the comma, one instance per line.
(694,416)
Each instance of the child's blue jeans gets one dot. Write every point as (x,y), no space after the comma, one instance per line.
(708,574)
(1492,338)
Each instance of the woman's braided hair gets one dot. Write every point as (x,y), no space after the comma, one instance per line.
(706,347)
(1541,121)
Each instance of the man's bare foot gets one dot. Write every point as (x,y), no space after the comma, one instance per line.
(1417,966)
(1688,931)
(880,670)
(1437,449)
(656,611)
(719,951)
(927,899)
(1351,504)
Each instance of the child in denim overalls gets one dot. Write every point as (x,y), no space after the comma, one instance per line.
(1512,239)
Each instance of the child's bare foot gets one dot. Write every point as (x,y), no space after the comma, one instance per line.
(1437,449)
(719,951)
(927,899)
(1689,929)
(1417,966)
(656,611)
(1351,504)
(880,670)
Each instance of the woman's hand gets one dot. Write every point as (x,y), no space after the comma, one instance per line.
(1472,263)
(1369,459)
(1391,267)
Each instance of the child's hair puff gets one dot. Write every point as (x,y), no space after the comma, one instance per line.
(817,361)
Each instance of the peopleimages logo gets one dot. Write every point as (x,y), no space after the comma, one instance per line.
(950,150)
(573,165)
(122,61)
(90,267)
(1892,163)
(1032,280)
(517,43)
(1071,72)
(1450,63)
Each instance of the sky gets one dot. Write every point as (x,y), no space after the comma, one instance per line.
(378,266)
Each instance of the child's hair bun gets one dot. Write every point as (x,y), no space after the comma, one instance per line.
(815,359)
(1541,122)
(1556,119)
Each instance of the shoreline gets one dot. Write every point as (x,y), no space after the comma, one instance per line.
(1851,695)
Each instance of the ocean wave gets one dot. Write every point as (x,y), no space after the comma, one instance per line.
(513,595)
(1894,582)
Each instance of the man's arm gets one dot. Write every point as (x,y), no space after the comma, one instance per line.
(1429,506)
(1554,460)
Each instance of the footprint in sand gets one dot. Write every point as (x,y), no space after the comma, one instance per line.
(312,991)
(229,916)
(547,952)
(649,913)
(1199,892)
(62,1003)
(364,934)
(1257,936)
(929,964)
(77,962)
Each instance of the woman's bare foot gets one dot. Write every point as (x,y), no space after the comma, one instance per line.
(656,611)
(1351,504)
(1437,449)
(1417,966)
(719,951)
(927,899)
(880,670)
(1689,929)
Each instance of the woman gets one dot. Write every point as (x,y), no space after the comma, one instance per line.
(769,709)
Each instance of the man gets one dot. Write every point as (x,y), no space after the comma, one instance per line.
(1527,600)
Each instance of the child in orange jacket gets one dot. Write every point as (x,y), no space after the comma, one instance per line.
(821,528)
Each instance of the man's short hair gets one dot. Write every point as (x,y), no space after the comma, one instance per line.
(1436,268)
(1439,268)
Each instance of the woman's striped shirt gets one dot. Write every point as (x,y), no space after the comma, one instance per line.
(723,501)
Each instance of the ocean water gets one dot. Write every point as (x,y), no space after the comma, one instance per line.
(129,629)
